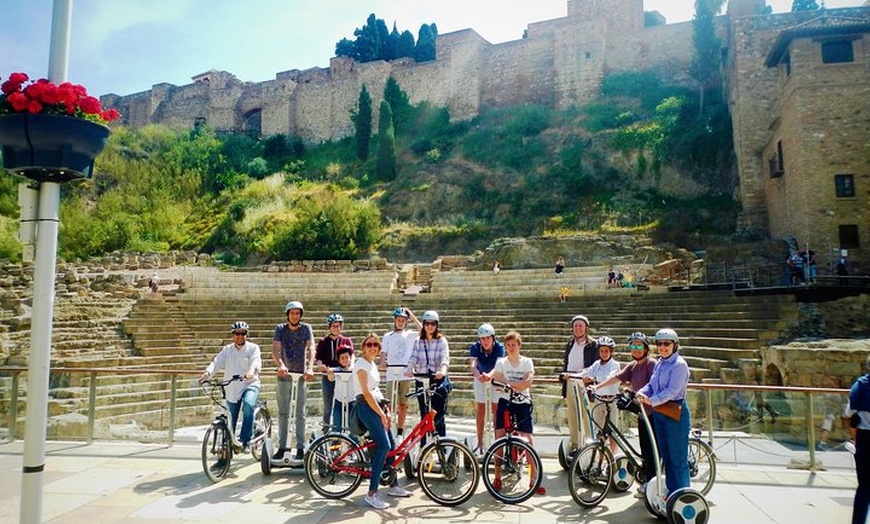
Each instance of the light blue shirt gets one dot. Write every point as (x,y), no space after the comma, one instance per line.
(669,381)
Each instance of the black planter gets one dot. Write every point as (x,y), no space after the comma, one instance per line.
(50,148)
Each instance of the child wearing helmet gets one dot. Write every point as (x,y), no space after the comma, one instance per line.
(483,355)
(600,371)
(293,352)
(397,346)
(668,385)
(638,373)
(326,357)
(344,394)
(239,357)
(431,354)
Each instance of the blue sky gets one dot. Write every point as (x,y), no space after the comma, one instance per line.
(126,46)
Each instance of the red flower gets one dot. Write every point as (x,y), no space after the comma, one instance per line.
(43,97)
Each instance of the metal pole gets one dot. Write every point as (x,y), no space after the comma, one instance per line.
(173,392)
(811,433)
(13,408)
(40,355)
(92,406)
(43,297)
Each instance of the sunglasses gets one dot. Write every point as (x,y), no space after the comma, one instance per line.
(430,323)
(635,347)
(371,345)
(664,343)
(241,334)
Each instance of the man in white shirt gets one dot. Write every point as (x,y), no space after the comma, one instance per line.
(580,352)
(241,358)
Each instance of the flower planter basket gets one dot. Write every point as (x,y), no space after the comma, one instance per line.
(50,148)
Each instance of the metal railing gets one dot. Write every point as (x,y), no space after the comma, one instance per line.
(724,411)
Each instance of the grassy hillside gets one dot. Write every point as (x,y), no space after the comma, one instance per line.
(640,157)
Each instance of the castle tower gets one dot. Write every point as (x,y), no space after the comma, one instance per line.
(622,15)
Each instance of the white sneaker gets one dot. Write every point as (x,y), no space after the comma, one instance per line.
(398,491)
(375,502)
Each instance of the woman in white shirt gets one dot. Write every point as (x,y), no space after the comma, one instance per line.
(374,417)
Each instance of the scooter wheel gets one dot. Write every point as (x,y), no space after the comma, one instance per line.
(687,506)
(652,502)
(623,474)
(266,458)
(565,457)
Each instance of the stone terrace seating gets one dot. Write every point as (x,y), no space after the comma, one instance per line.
(206,283)
(515,283)
(721,333)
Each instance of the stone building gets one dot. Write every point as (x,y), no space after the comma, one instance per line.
(797,85)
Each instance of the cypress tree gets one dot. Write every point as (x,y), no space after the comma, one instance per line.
(386,166)
(362,122)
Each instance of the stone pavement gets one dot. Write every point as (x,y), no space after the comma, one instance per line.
(133,483)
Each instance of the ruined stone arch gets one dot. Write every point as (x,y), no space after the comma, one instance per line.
(772,376)
(252,123)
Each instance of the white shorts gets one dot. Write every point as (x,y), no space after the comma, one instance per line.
(480,392)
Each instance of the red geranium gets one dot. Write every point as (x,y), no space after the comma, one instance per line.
(20,95)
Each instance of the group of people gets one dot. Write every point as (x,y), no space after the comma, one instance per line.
(655,382)
(404,351)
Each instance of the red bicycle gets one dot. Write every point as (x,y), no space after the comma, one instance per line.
(336,463)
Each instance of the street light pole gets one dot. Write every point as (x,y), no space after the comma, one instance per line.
(43,297)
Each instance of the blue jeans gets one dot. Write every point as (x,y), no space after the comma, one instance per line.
(328,391)
(382,438)
(247,403)
(672,438)
(338,420)
(862,466)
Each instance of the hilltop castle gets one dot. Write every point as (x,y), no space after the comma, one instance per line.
(798,85)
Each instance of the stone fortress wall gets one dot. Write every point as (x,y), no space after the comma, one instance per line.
(560,63)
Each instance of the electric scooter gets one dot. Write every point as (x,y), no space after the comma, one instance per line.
(288,459)
(683,506)
(584,422)
(488,429)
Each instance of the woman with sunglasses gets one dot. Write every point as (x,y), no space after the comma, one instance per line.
(637,373)
(431,355)
(668,384)
(374,417)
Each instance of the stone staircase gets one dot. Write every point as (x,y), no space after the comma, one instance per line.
(721,333)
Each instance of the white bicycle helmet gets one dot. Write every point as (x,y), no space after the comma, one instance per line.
(335,317)
(239,325)
(430,315)
(607,341)
(580,317)
(667,334)
(485,330)
(294,304)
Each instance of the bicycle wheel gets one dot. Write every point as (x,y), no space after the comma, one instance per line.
(326,473)
(507,468)
(623,473)
(442,474)
(591,475)
(262,431)
(702,466)
(217,452)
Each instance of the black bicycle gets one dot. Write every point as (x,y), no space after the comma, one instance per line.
(512,470)
(595,471)
(220,443)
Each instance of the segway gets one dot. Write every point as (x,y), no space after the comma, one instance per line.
(488,428)
(288,459)
(683,506)
(584,422)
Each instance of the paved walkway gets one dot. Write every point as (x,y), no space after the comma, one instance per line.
(109,482)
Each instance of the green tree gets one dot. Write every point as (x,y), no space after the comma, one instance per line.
(804,5)
(400,105)
(707,57)
(425,50)
(386,165)
(362,123)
